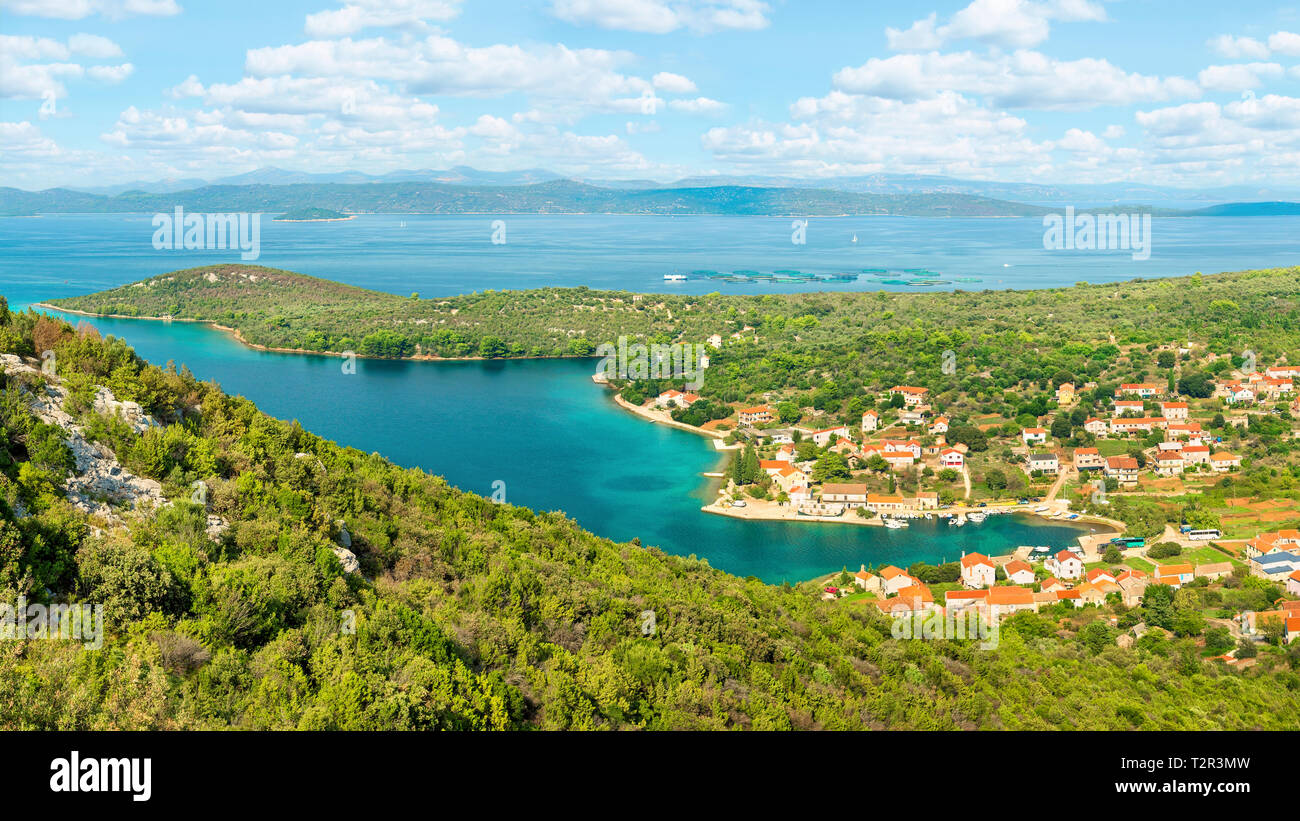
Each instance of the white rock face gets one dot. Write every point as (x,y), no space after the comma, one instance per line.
(101,487)
(348,559)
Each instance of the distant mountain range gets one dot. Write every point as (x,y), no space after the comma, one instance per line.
(553,197)
(559,196)
(1119,192)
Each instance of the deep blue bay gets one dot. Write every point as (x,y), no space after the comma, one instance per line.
(556,439)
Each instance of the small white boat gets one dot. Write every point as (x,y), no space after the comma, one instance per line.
(674,277)
(855,238)
(1042,509)
(895,524)
(977,517)
(1042,549)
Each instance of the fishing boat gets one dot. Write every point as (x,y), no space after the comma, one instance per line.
(674,277)
(895,524)
(977,517)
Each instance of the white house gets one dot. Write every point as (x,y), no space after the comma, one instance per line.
(1034,436)
(952,458)
(977,570)
(822,437)
(870,421)
(1019,572)
(1064,565)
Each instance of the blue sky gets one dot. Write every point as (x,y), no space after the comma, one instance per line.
(1184,93)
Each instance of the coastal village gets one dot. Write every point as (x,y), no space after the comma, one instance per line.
(910,456)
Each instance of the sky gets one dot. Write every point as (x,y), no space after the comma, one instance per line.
(1183,93)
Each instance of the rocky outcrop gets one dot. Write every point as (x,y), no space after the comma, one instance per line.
(101,486)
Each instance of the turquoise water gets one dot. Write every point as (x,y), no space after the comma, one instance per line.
(558,442)
(556,439)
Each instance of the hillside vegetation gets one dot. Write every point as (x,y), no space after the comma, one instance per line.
(467,614)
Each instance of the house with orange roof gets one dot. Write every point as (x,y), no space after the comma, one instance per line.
(1018,572)
(1064,565)
(1123,469)
(1034,436)
(957,601)
(1222,462)
(1096,592)
(1175,575)
(1196,454)
(1278,540)
(1072,596)
(1174,410)
(1096,427)
(1169,463)
(899,459)
(1088,459)
(977,570)
(939,426)
(868,581)
(919,594)
(1065,393)
(773,466)
(912,395)
(1099,573)
(1293,583)
(757,415)
(1123,406)
(1053,584)
(952,458)
(870,421)
(1006,600)
(893,579)
(927,500)
(1137,424)
(882,503)
(790,477)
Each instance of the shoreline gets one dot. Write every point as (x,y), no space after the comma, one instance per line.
(641,412)
(239,337)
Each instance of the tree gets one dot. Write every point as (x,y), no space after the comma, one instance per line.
(970,436)
(995,479)
(1158,604)
(1197,384)
(829,467)
(1061,428)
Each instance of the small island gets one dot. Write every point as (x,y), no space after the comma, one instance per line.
(313,215)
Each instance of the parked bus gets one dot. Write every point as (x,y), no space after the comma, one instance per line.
(1125,542)
(1204,535)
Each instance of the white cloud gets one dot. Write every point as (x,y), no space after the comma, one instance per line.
(700,105)
(439,65)
(1023,79)
(356,15)
(1002,23)
(921,36)
(1285,42)
(1238,77)
(94,46)
(672,83)
(81,9)
(1238,48)
(663,16)
(110,74)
